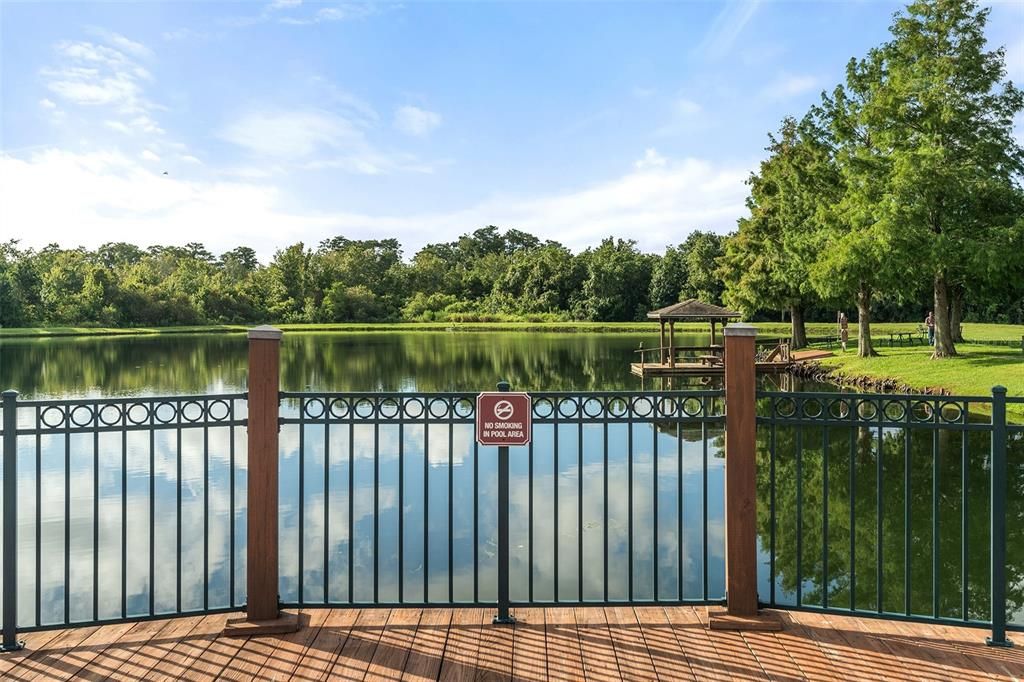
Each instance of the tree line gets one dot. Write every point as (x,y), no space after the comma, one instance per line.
(898,193)
(484,275)
(905,180)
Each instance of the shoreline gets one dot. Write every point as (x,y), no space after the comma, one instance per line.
(977,332)
(816,371)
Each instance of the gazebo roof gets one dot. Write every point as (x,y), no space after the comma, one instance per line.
(692,309)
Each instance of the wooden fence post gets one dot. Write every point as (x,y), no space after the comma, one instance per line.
(741,611)
(262,613)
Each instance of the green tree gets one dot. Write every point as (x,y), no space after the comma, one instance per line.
(668,277)
(702,252)
(616,280)
(766,264)
(932,100)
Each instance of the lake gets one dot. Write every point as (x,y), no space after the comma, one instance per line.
(445,464)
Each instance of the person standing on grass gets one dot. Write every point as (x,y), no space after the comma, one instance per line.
(930,323)
(844,330)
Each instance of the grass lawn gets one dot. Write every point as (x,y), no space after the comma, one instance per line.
(974,372)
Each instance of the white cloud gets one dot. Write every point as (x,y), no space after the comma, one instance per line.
(651,159)
(188,158)
(104,76)
(47,104)
(291,134)
(684,116)
(415,121)
(727,27)
(686,107)
(282,4)
(148,155)
(316,139)
(136,49)
(789,85)
(107,196)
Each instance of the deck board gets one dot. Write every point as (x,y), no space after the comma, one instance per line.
(587,643)
(564,657)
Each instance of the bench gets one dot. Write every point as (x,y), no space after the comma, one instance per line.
(908,337)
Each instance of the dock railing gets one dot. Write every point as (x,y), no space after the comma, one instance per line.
(896,506)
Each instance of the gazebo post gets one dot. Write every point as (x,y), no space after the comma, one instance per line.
(661,346)
(712,332)
(671,343)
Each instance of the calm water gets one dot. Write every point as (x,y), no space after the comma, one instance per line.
(438,456)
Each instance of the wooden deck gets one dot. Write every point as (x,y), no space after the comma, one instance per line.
(642,643)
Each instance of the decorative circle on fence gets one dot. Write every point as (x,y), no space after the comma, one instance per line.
(643,406)
(363,408)
(951,413)
(839,408)
(895,411)
(692,407)
(867,410)
(165,412)
(314,408)
(137,413)
(667,407)
(543,408)
(464,408)
(192,412)
(439,408)
(218,416)
(389,408)
(413,407)
(105,418)
(922,411)
(593,408)
(82,415)
(52,416)
(340,408)
(812,408)
(571,403)
(785,407)
(617,406)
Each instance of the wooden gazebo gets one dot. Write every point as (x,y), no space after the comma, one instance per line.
(690,310)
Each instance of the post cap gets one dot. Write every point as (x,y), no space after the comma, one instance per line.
(503,385)
(265,331)
(11,393)
(999,389)
(739,329)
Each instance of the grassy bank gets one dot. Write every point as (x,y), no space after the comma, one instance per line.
(972,331)
(975,371)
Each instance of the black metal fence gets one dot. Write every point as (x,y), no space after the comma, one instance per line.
(396,503)
(125,509)
(892,505)
(107,508)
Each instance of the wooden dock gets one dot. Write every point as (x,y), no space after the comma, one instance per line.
(593,643)
(696,369)
(702,369)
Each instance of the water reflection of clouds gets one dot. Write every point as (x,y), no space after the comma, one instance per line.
(439,441)
(462,448)
(112,531)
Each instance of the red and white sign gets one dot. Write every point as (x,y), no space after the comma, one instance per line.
(503,418)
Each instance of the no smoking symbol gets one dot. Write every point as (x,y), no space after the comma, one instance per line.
(503,410)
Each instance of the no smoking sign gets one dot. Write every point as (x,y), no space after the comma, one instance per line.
(503,418)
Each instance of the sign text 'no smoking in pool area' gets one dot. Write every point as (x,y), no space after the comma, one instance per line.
(503,418)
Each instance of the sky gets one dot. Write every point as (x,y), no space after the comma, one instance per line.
(267,123)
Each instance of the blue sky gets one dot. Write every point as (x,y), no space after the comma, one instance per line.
(282,120)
